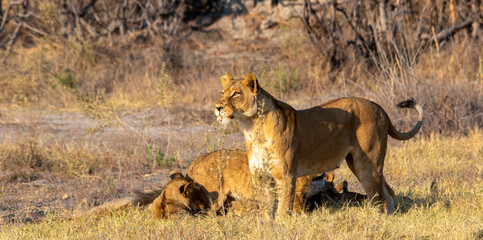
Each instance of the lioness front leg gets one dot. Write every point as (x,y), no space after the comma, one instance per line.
(286,192)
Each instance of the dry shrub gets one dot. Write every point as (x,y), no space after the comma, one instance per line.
(32,156)
(127,70)
(391,50)
(446,81)
(24,156)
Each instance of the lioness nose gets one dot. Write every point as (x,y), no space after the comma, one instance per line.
(219,108)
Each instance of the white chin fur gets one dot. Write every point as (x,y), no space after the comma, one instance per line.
(223,120)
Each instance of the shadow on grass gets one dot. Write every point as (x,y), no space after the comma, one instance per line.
(404,203)
(479,235)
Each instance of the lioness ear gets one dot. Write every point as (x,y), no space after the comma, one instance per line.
(184,189)
(175,174)
(251,81)
(329,177)
(226,79)
(342,187)
(159,206)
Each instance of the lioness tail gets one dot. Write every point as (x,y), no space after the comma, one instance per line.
(140,199)
(410,103)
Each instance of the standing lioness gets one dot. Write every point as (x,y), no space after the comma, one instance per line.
(294,143)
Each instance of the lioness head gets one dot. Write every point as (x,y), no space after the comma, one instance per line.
(320,184)
(238,98)
(181,196)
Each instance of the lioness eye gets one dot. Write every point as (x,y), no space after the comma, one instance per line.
(221,93)
(236,94)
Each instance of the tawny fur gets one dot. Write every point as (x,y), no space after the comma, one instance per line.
(219,178)
(295,143)
(226,176)
(180,196)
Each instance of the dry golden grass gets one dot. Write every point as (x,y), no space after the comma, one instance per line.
(451,209)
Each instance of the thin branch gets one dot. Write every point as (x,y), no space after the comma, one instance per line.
(356,32)
(15,33)
(35,30)
(306,21)
(124,18)
(86,8)
(14,36)
(5,17)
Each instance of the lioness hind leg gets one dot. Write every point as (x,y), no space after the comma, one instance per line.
(372,180)
(388,197)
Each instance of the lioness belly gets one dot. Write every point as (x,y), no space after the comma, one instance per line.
(320,162)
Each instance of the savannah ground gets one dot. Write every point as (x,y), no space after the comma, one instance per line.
(437,180)
(85,120)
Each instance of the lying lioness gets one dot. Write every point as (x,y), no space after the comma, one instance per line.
(293,143)
(226,176)
(179,197)
(214,181)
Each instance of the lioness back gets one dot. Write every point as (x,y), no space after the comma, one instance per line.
(223,173)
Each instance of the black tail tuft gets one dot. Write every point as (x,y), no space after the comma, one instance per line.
(410,103)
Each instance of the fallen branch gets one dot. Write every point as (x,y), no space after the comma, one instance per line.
(447,33)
